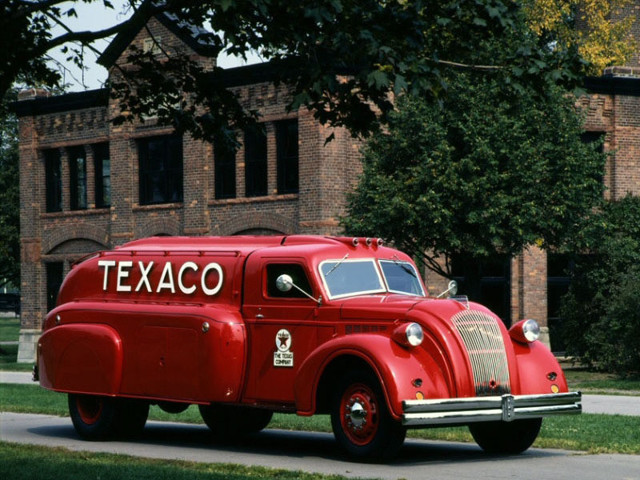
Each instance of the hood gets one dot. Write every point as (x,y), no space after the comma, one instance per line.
(378,307)
(394,307)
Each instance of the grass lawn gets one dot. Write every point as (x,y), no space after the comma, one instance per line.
(586,432)
(589,381)
(42,463)
(9,329)
(10,332)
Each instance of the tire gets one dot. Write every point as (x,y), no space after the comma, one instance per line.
(366,432)
(131,417)
(99,418)
(506,437)
(230,421)
(94,418)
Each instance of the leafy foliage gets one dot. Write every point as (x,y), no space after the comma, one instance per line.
(486,173)
(9,195)
(602,309)
(26,33)
(603,37)
(343,59)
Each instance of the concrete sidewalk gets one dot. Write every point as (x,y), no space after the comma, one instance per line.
(608,404)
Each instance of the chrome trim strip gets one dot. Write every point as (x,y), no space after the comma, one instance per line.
(485,409)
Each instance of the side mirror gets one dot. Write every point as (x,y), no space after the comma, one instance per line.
(284,283)
(451,290)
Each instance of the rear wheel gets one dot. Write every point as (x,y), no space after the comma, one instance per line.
(506,437)
(361,421)
(97,418)
(230,421)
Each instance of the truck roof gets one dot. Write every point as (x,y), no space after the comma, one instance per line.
(244,243)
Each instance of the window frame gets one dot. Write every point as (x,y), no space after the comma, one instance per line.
(165,172)
(381,282)
(101,153)
(255,162)
(77,161)
(53,180)
(287,156)
(224,168)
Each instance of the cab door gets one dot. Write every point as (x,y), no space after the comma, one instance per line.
(282,329)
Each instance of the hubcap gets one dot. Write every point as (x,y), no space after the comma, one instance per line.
(359,414)
(89,408)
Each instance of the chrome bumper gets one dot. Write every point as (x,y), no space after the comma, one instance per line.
(487,409)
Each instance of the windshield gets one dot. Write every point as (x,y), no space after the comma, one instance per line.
(343,278)
(401,277)
(351,277)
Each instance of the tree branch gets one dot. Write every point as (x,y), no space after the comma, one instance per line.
(464,66)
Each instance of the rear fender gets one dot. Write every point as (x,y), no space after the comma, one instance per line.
(404,373)
(81,358)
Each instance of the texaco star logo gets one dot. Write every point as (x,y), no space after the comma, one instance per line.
(283,340)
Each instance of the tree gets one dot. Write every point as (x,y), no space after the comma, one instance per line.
(601,312)
(9,195)
(342,58)
(485,173)
(599,30)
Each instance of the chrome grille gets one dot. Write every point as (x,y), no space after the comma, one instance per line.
(485,346)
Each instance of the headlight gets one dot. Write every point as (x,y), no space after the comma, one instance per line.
(525,331)
(409,334)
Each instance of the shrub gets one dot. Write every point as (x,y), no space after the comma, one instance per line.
(602,308)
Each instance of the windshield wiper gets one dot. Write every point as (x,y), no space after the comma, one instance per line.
(336,265)
(404,266)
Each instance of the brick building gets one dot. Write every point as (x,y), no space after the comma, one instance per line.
(87,185)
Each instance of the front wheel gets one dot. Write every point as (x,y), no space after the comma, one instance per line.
(506,437)
(361,421)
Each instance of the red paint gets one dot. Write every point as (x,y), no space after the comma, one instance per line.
(195,320)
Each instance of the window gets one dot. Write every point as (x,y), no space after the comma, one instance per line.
(401,277)
(287,151)
(225,170)
(77,178)
(160,169)
(255,161)
(54,281)
(102,169)
(297,274)
(53,180)
(344,278)
(595,138)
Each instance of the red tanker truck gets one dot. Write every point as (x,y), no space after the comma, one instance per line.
(246,326)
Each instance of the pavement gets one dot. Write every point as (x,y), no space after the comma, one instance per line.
(607,404)
(317,452)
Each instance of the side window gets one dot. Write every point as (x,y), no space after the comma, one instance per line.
(297,274)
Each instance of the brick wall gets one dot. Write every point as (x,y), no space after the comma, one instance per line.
(326,174)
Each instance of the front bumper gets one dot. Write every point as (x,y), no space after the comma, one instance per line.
(505,408)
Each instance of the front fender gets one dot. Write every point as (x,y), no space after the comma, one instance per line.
(398,369)
(81,358)
(538,369)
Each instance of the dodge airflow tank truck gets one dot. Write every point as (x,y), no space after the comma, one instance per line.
(246,326)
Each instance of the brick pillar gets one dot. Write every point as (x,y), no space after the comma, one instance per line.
(532,289)
(32,205)
(197,189)
(124,179)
